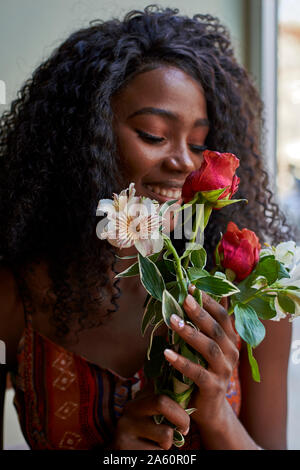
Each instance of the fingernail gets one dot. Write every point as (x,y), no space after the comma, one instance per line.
(192,288)
(186,432)
(170,354)
(191,302)
(177,320)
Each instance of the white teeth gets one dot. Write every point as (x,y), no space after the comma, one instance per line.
(172,193)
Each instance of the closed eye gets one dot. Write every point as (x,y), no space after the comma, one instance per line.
(198,148)
(155,139)
(149,137)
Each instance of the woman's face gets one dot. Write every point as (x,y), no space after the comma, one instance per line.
(160,122)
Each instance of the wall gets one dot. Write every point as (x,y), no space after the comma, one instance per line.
(31,29)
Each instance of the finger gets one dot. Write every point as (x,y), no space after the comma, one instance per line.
(224,302)
(206,346)
(217,311)
(198,374)
(159,433)
(210,327)
(161,405)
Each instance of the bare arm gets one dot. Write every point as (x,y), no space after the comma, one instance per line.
(264,404)
(3,372)
(11,327)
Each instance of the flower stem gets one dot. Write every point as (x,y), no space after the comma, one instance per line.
(178,266)
(246,301)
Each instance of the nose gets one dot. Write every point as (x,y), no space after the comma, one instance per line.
(183,161)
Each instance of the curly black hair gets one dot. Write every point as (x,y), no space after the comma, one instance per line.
(58,154)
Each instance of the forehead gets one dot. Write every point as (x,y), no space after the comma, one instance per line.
(164,87)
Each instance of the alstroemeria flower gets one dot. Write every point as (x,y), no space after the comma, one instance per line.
(216,172)
(285,252)
(293,264)
(132,221)
(239,251)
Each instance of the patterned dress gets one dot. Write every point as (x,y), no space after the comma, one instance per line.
(64,401)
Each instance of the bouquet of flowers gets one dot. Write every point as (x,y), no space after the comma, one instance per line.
(260,283)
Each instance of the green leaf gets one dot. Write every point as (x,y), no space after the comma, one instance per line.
(165,268)
(170,265)
(253,364)
(178,439)
(170,306)
(217,254)
(213,195)
(287,304)
(165,206)
(158,311)
(220,275)
(192,247)
(271,269)
(216,286)
(151,278)
(133,270)
(153,366)
(186,352)
(189,411)
(196,273)
(151,338)
(226,202)
(158,419)
(247,324)
(198,296)
(262,307)
(149,313)
(199,258)
(126,257)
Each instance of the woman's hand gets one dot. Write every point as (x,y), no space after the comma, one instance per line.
(136,429)
(217,343)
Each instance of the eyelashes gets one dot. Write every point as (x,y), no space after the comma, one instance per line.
(154,139)
(148,137)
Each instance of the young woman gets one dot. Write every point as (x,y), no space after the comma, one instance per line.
(126,101)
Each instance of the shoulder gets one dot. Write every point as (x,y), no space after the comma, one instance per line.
(12,320)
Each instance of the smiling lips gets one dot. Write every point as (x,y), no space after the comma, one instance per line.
(171,193)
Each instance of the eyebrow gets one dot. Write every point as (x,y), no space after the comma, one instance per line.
(168,114)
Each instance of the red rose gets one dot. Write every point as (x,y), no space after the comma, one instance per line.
(216,172)
(239,251)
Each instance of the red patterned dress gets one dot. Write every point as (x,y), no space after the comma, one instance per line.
(63,401)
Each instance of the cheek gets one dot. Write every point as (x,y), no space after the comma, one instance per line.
(138,159)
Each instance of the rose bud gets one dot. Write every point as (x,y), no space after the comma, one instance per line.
(238,251)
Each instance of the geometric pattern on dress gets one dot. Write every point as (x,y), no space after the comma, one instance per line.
(64,380)
(62,362)
(70,440)
(65,411)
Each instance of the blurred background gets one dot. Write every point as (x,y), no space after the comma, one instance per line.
(266,37)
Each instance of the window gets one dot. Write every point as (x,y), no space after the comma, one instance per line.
(288,110)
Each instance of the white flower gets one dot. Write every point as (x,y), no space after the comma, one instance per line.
(131,220)
(286,253)
(280,313)
(292,281)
